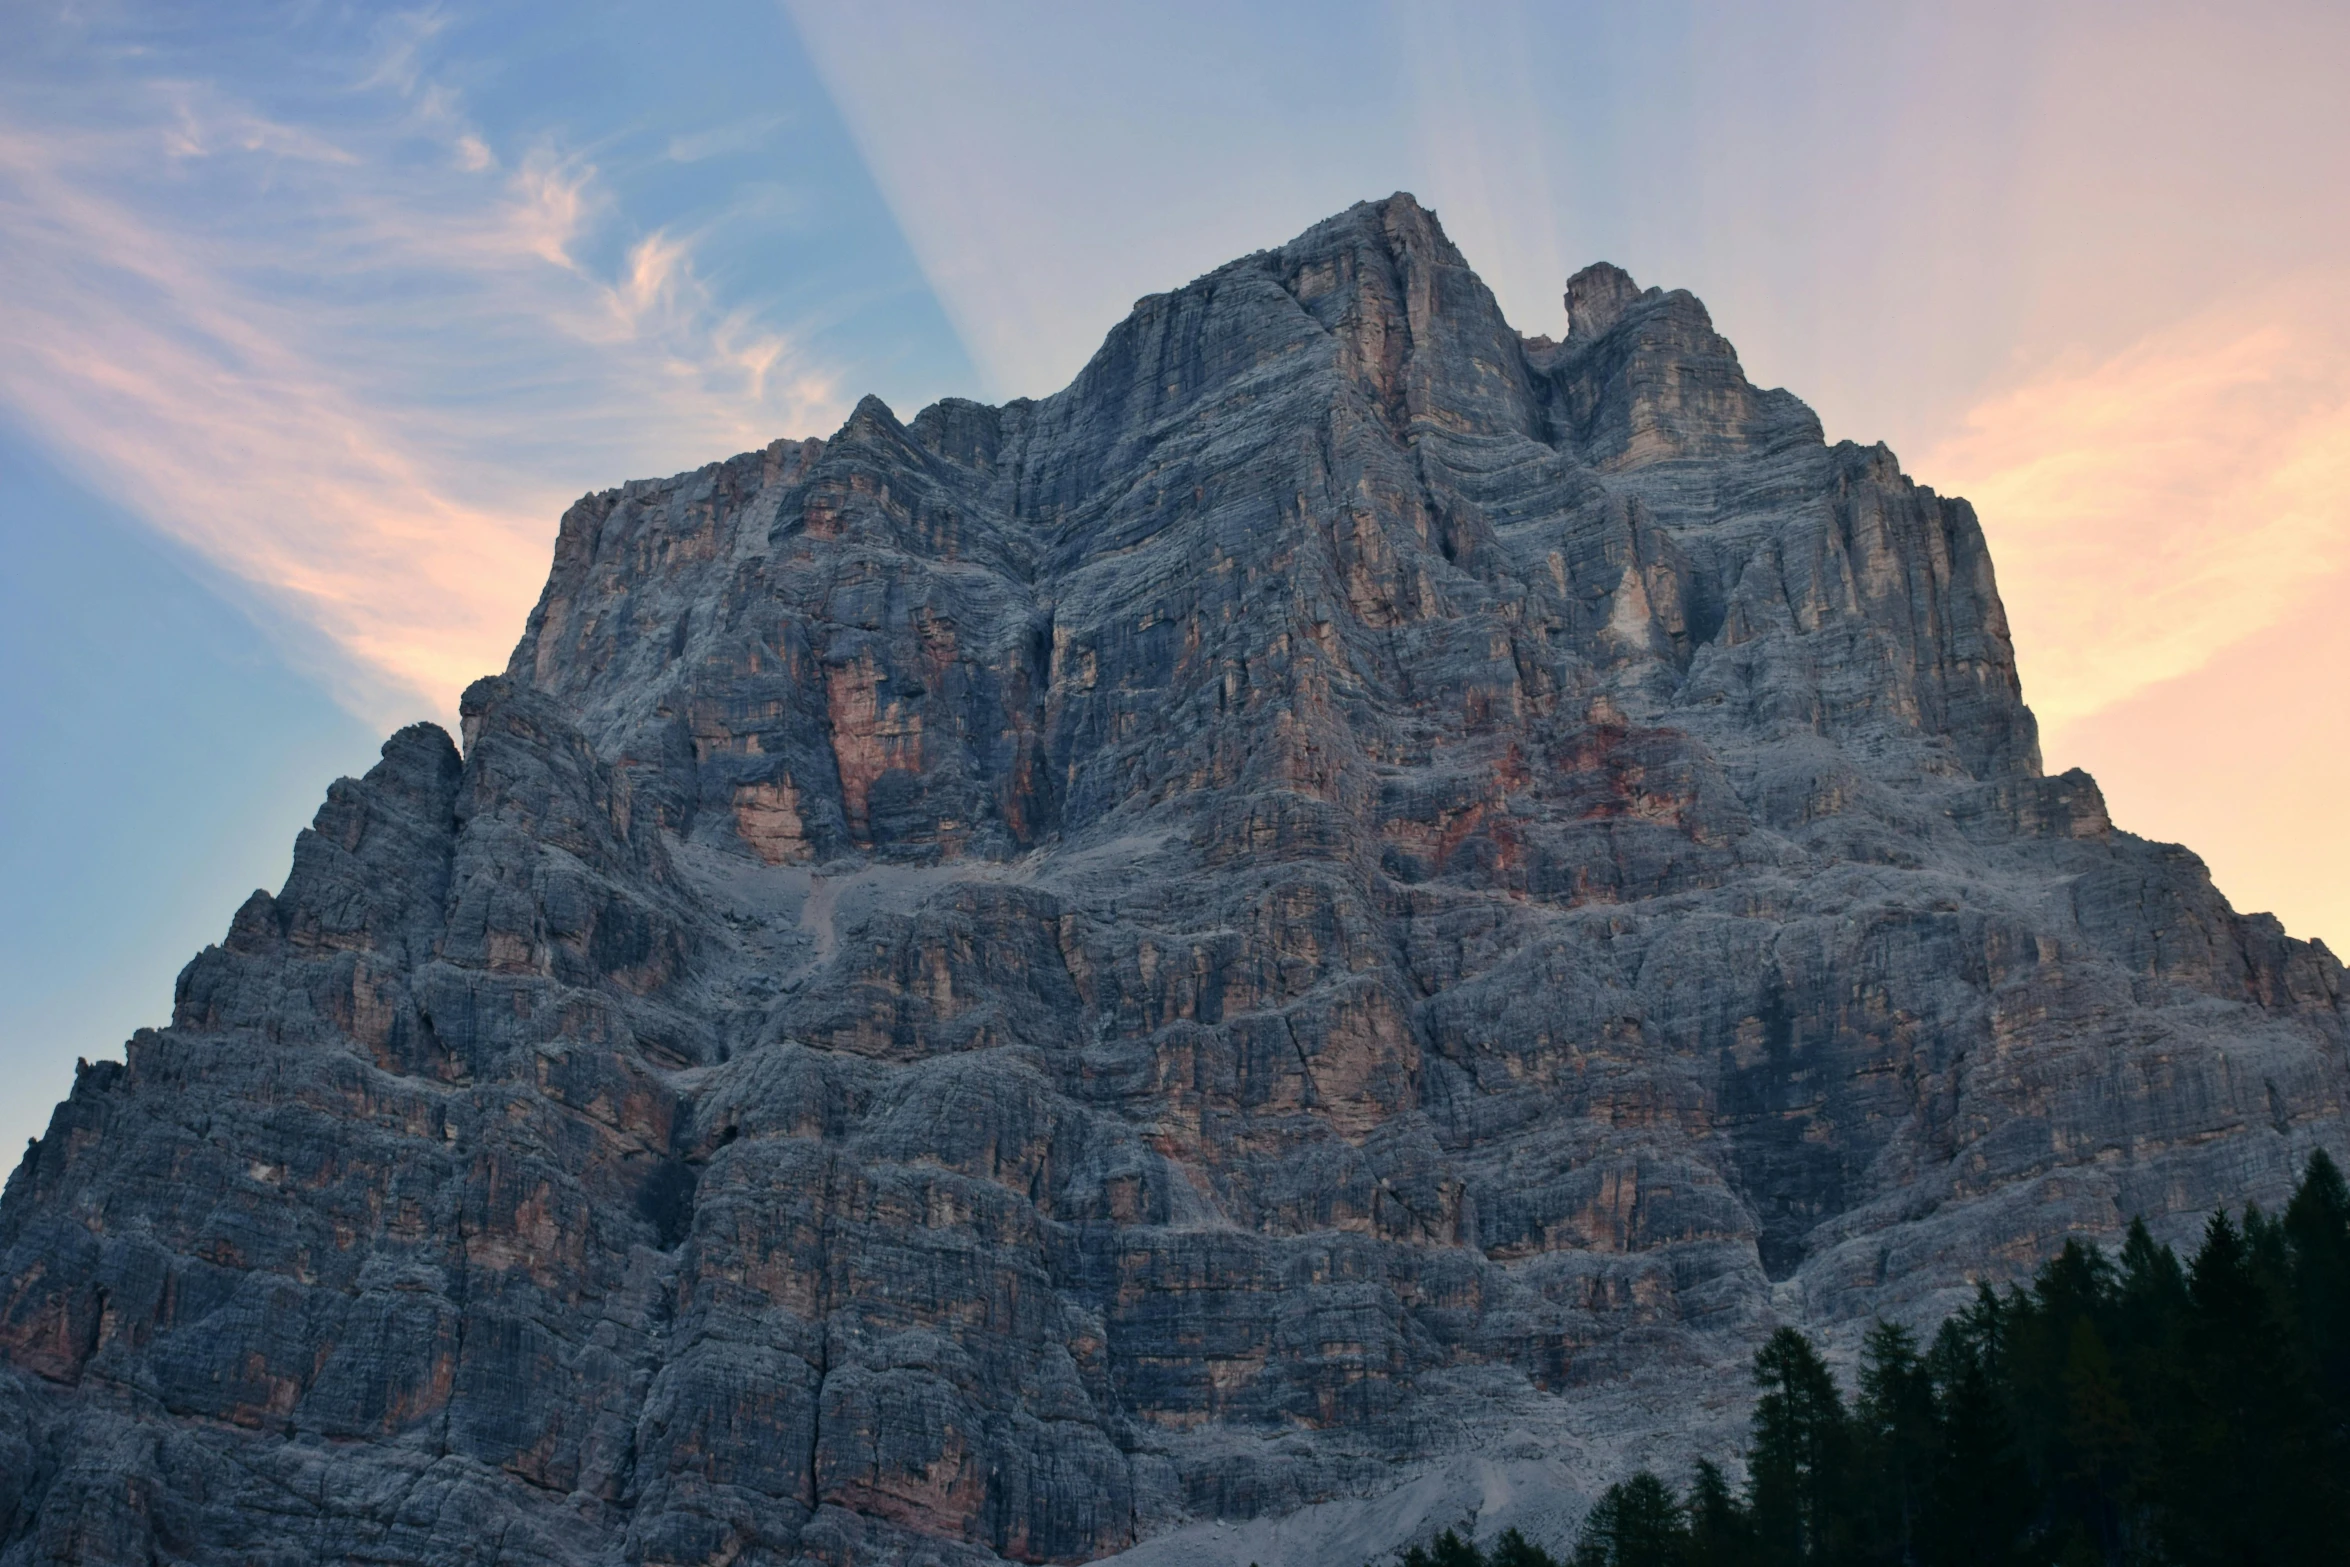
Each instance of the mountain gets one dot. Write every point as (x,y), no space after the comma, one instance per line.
(1315,934)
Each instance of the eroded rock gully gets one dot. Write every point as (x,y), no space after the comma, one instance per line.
(1337,917)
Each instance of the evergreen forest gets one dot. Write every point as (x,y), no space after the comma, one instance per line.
(2122,1410)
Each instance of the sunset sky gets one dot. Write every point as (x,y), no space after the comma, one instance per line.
(313,319)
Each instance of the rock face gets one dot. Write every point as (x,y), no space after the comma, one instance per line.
(1351,894)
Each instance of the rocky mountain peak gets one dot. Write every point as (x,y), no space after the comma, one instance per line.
(1597,298)
(1032,982)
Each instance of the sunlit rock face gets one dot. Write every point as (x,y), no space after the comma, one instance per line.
(1354,897)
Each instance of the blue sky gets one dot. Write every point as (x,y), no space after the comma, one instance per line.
(313,317)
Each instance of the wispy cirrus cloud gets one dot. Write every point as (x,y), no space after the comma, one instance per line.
(2153,509)
(350,301)
(170,393)
(359,377)
(2172,526)
(204,125)
(740,135)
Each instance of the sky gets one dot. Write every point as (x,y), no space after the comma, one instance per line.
(314,316)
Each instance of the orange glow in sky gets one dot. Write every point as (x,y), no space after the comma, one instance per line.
(2171,527)
(2084,266)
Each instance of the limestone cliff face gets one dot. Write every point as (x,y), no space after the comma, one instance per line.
(1352,894)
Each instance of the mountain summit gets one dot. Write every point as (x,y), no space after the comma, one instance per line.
(1329,924)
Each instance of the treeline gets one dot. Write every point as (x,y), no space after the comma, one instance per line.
(2124,1410)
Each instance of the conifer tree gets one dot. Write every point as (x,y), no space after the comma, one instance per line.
(1801,1460)
(2265,1483)
(1513,1549)
(2131,1412)
(2150,1327)
(2317,1227)
(1720,1533)
(1447,1550)
(1635,1524)
(1453,1551)
(2101,1447)
(1898,1442)
(1983,1500)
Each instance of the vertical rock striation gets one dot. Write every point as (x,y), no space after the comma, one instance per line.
(1349,890)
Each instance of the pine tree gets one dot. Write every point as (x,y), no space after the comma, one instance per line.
(1635,1524)
(1801,1460)
(2265,1479)
(2116,1413)
(2101,1443)
(1447,1550)
(2052,1347)
(1453,1551)
(2150,1345)
(1898,1443)
(1720,1533)
(1983,1500)
(2151,1297)
(1513,1549)
(2317,1227)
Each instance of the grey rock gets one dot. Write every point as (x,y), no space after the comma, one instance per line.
(1304,941)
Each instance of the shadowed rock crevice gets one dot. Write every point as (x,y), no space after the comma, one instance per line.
(1332,922)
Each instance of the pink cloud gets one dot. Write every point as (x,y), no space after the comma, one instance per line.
(2154,509)
(342,458)
(2172,527)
